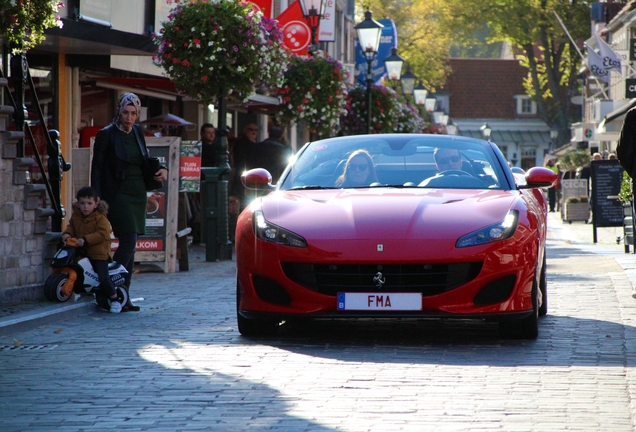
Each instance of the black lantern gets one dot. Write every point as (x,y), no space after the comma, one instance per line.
(486,131)
(393,65)
(313,11)
(369,32)
(420,92)
(408,83)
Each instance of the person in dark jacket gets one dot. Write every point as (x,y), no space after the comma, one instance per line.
(117,174)
(272,153)
(89,225)
(208,145)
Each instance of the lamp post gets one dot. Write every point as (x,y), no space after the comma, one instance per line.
(408,83)
(313,11)
(420,92)
(486,131)
(369,32)
(554,135)
(393,64)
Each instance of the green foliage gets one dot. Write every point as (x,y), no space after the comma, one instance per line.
(314,91)
(627,188)
(225,46)
(574,159)
(23,22)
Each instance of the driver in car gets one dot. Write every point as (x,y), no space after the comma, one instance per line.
(447,159)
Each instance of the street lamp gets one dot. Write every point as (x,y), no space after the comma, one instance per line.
(485,131)
(393,64)
(420,92)
(369,32)
(430,103)
(313,11)
(554,135)
(408,83)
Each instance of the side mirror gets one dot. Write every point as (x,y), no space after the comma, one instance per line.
(257,179)
(539,177)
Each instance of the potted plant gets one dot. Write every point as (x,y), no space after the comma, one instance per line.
(313,91)
(577,209)
(385,111)
(221,47)
(23,22)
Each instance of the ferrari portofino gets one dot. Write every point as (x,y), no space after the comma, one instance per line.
(396,225)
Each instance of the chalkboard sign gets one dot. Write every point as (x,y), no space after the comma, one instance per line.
(607,210)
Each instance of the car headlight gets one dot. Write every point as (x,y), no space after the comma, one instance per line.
(269,232)
(499,231)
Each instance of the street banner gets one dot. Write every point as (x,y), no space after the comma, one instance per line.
(296,32)
(190,166)
(595,64)
(328,23)
(265,6)
(611,60)
(388,40)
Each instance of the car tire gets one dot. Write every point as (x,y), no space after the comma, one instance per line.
(253,327)
(53,288)
(526,328)
(543,286)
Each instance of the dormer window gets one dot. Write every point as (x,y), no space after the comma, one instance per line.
(525,105)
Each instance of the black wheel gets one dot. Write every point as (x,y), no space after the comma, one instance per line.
(253,327)
(53,288)
(543,287)
(526,328)
(102,299)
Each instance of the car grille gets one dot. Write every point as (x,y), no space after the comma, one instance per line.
(428,279)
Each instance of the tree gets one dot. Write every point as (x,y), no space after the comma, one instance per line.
(422,40)
(530,25)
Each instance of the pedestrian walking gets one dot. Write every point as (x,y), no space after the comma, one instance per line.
(120,170)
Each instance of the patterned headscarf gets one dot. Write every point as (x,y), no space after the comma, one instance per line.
(126,99)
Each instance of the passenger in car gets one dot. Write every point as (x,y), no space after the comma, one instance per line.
(359,171)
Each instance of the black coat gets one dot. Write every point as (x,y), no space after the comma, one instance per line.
(626,147)
(110,160)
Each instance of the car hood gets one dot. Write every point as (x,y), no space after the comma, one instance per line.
(386,213)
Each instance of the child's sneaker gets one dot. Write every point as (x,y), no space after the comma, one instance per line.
(115,306)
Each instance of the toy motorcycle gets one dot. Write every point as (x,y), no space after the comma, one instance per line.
(72,275)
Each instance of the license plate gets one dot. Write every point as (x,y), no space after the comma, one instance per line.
(380,301)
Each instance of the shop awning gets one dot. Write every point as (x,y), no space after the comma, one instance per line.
(163,88)
(617,114)
(511,136)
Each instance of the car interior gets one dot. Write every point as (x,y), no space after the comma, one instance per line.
(412,165)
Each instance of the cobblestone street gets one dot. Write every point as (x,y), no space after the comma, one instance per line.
(180,364)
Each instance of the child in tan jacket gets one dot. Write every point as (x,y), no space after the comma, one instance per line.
(89,224)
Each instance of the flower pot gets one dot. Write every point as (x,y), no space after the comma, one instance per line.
(577,211)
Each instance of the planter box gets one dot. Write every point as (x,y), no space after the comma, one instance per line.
(577,212)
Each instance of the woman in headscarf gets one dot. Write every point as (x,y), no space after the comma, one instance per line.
(117,175)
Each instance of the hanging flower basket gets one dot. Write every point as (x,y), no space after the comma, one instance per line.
(226,46)
(314,92)
(23,22)
(385,111)
(409,120)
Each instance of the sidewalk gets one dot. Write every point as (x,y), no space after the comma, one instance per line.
(15,318)
(24,316)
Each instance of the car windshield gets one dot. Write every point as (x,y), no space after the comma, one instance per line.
(400,161)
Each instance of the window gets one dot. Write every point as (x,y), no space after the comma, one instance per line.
(525,105)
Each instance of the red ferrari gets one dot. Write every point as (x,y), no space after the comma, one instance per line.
(394,225)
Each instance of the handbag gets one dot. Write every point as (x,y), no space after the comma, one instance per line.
(151,166)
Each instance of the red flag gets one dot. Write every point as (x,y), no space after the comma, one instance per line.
(296,32)
(264,6)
